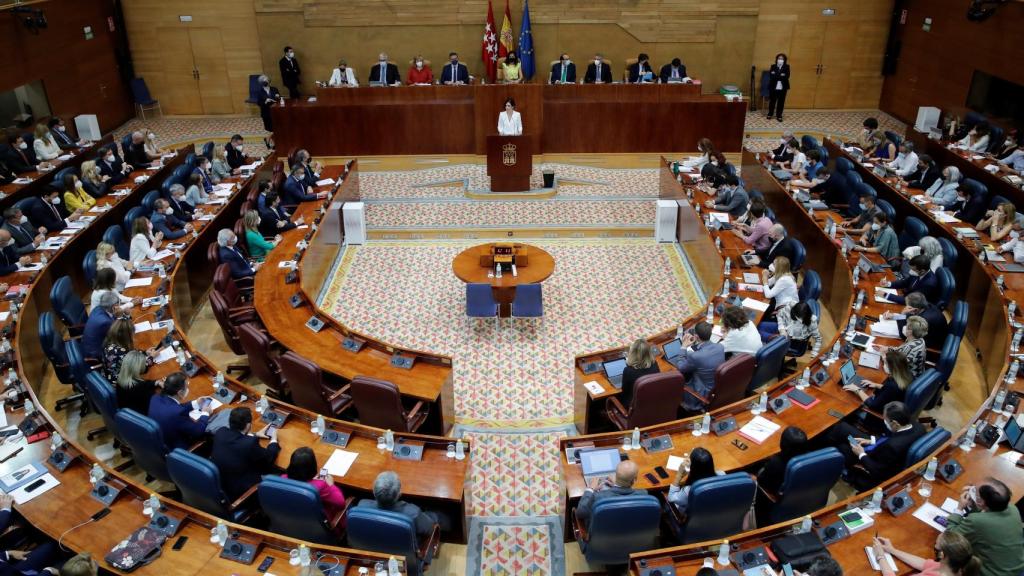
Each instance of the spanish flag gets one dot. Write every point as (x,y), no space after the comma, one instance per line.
(506,42)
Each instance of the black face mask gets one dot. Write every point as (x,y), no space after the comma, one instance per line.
(265,84)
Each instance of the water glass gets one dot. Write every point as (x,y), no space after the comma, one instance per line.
(925,489)
(293,557)
(381,444)
(450,453)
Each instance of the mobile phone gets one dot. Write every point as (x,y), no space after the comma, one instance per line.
(265,565)
(179,543)
(651,478)
(323,473)
(660,471)
(835,413)
(787,569)
(941,520)
(35,485)
(852,440)
(103,512)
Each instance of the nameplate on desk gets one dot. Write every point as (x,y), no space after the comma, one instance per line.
(833,533)
(594,388)
(190,368)
(315,324)
(104,493)
(723,426)
(406,451)
(224,395)
(780,404)
(291,277)
(657,443)
(399,360)
(237,551)
(336,438)
(275,419)
(353,345)
(167,525)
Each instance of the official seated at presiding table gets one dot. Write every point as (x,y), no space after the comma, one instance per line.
(563,71)
(511,69)
(419,72)
(343,75)
(674,71)
(698,361)
(454,72)
(384,73)
(598,71)
(238,455)
(170,410)
(510,122)
(640,72)
(871,462)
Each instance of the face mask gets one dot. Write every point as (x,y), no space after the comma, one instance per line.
(780,61)
(782,141)
(960,198)
(239,147)
(79,185)
(168,211)
(55,201)
(1013,234)
(300,177)
(455,61)
(419,65)
(862,206)
(291,54)
(110,159)
(10,242)
(152,136)
(771,268)
(24,220)
(914,272)
(876,227)
(383,61)
(61,128)
(23,146)
(566,61)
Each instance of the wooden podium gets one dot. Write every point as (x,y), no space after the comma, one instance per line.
(509,162)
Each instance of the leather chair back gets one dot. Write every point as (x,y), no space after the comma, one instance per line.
(716,507)
(894,138)
(865,189)
(656,399)
(213,254)
(208,151)
(52,343)
(305,382)
(378,403)
(799,254)
(115,236)
(143,435)
(198,480)
(126,144)
(181,173)
(256,344)
(996,137)
(130,216)
(823,154)
(806,484)
(913,230)
(843,165)
(385,532)
(949,253)
(810,288)
(295,510)
(769,360)
(944,366)
(103,397)
(621,526)
(226,285)
(973,187)
(58,177)
(190,161)
(887,208)
(67,305)
(151,197)
(947,285)
(921,391)
(808,142)
(243,242)
(76,362)
(220,312)
(958,322)
(927,444)
(731,380)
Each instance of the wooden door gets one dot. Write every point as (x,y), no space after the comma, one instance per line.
(210,65)
(177,89)
(803,81)
(837,64)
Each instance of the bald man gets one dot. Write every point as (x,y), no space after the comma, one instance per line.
(602,488)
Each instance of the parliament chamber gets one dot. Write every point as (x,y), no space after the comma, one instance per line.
(490,314)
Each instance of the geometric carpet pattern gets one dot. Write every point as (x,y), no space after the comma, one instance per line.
(515,546)
(555,212)
(515,474)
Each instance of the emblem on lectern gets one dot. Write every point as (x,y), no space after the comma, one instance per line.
(508,154)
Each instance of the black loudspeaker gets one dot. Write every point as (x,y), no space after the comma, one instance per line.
(893,44)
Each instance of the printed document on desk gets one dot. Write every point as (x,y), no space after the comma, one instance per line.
(339,462)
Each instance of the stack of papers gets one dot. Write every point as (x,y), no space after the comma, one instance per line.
(722,217)
(754,304)
(165,354)
(944,217)
(994,256)
(759,429)
(325,182)
(744,287)
(885,329)
(143,281)
(162,254)
(31,267)
(928,513)
(967,232)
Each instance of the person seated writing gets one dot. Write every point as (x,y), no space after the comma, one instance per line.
(754,234)
(881,239)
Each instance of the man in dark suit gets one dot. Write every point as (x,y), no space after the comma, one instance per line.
(454,72)
(290,72)
(7,174)
(60,135)
(170,410)
(40,560)
(296,190)
(234,151)
(17,154)
(136,155)
(180,209)
(165,222)
(274,219)
(938,327)
(641,72)
(26,238)
(302,158)
(44,212)
(605,488)
(238,455)
(870,464)
(781,245)
(563,71)
(98,324)
(675,71)
(926,175)
(9,258)
(598,71)
(111,165)
(384,72)
(230,255)
(921,279)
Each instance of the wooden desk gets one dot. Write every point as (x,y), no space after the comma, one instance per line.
(467,267)
(42,180)
(970,168)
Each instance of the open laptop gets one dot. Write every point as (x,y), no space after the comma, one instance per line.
(672,349)
(848,243)
(868,266)
(613,370)
(599,463)
(848,372)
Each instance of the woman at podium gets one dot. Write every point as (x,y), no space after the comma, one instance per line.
(510,123)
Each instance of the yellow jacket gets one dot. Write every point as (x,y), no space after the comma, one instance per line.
(73,201)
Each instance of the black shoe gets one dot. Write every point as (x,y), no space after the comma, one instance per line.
(779,118)
(769,116)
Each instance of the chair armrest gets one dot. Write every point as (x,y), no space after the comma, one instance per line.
(615,404)
(771,497)
(245,496)
(338,393)
(411,414)
(428,548)
(198,445)
(334,522)
(701,399)
(578,529)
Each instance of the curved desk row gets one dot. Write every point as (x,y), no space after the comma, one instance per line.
(41,181)
(988,323)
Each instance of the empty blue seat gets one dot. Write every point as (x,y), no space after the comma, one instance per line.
(715,508)
(103,397)
(806,484)
(115,236)
(149,199)
(921,391)
(947,357)
(480,302)
(190,161)
(769,360)
(254,89)
(913,230)
(947,285)
(389,532)
(68,306)
(926,445)
(894,138)
(863,188)
(129,218)
(142,434)
(808,142)
(89,266)
(799,254)
(843,165)
(198,480)
(949,253)
(887,209)
(295,510)
(823,154)
(141,97)
(528,302)
(810,288)
(208,151)
(180,175)
(619,527)
(52,342)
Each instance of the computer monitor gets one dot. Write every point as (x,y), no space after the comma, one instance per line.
(599,462)
(672,348)
(614,368)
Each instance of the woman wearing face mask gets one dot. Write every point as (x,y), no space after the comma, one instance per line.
(95,183)
(706,149)
(268,96)
(999,222)
(977,139)
(343,75)
(75,197)
(145,244)
(258,245)
(45,146)
(153,151)
(881,239)
(953,557)
(943,190)
(778,86)
(512,69)
(914,347)
(420,73)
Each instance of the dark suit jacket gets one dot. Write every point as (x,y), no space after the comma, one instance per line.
(459,74)
(634,73)
(927,285)
(112,170)
(266,100)
(269,218)
(182,210)
(8,260)
(178,429)
(785,248)
(590,498)
(23,235)
(241,460)
(94,190)
(96,328)
(423,523)
(235,158)
(169,225)
(775,74)
(290,71)
(938,327)
(136,156)
(887,458)
(391,74)
(63,139)
(294,192)
(556,73)
(666,72)
(42,213)
(591,76)
(17,160)
(629,377)
(240,267)
(923,181)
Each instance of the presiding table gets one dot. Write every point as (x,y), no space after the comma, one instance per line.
(475,266)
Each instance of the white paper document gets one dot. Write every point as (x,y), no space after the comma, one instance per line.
(141,281)
(325,182)
(162,254)
(928,512)
(593,387)
(722,217)
(167,353)
(339,462)
(674,462)
(885,329)
(759,429)
(143,326)
(751,278)
(33,489)
(754,304)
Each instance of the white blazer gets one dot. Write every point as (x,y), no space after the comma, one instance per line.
(46,150)
(350,78)
(140,249)
(513,127)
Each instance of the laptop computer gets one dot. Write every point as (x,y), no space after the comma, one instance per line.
(866,265)
(848,243)
(599,463)
(613,370)
(673,348)
(848,372)
(1008,267)
(782,175)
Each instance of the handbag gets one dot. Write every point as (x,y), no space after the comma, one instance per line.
(799,550)
(140,548)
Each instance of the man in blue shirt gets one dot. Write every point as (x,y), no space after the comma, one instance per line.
(97,326)
(164,220)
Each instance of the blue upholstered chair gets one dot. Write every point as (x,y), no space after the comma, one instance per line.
(149,199)
(810,288)
(843,165)
(894,138)
(198,480)
(295,510)
(129,217)
(389,532)
(104,398)
(913,230)
(480,302)
(115,236)
(887,208)
(947,285)
(799,254)
(142,99)
(89,266)
(208,151)
(769,360)
(958,321)
(528,302)
(52,343)
(921,391)
(926,445)
(619,527)
(808,142)
(806,484)
(68,306)
(715,508)
(949,253)
(142,434)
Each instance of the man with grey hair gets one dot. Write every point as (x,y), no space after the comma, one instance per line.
(387,491)
(26,238)
(778,154)
(136,155)
(233,257)
(384,73)
(180,208)
(780,245)
(96,327)
(9,258)
(917,304)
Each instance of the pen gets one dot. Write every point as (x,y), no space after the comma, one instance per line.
(12,454)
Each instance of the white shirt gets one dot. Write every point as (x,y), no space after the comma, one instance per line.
(46,151)
(697,162)
(140,249)
(1017,247)
(117,265)
(912,251)
(783,289)
(510,126)
(1015,160)
(978,146)
(745,340)
(904,164)
(94,300)
(799,159)
(350,78)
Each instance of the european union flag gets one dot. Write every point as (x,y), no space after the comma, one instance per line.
(526,43)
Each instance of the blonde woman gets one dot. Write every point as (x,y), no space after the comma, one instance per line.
(106,257)
(639,362)
(258,245)
(221,169)
(95,183)
(153,151)
(999,222)
(45,146)
(134,391)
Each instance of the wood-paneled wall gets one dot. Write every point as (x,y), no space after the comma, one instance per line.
(80,76)
(935,67)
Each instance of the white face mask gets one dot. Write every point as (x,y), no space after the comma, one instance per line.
(780,61)
(55,201)
(913,272)
(24,220)
(23,146)
(862,207)
(771,268)
(291,54)
(239,147)
(10,242)
(110,159)
(419,65)
(876,227)
(61,128)
(151,136)
(1013,233)
(168,210)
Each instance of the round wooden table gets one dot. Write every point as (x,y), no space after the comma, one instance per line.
(468,268)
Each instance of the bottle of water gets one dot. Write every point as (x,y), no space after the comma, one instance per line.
(725,288)
(219,379)
(679,332)
(389,440)
(1000,281)
(1011,374)
(393,569)
(1011,309)
(220,533)
(997,404)
(968,441)
(728,267)
(804,380)
(160,271)
(96,474)
(304,555)
(152,505)
(842,251)
(876,500)
(1015,344)
(5,345)
(929,471)
(810,211)
(321,425)
(832,231)
(636,439)
(711,313)
(705,423)
(806,524)
(497,270)
(179,354)
(834,354)
(11,377)
(723,553)
(460,449)
(30,408)
(718,243)
(762,403)
(56,441)
(851,328)
(262,405)
(856,275)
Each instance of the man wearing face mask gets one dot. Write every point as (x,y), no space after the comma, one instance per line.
(17,154)
(296,191)
(731,197)
(420,73)
(780,153)
(780,245)
(164,221)
(234,151)
(268,97)
(26,238)
(918,305)
(59,133)
(230,254)
(343,75)
(778,86)
(1015,161)
(641,72)
(674,72)
(865,468)
(866,211)
(598,71)
(454,72)
(920,279)
(313,168)
(136,155)
(290,72)
(48,212)
(905,163)
(181,209)
(110,165)
(9,258)
(992,526)
(563,71)
(384,73)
